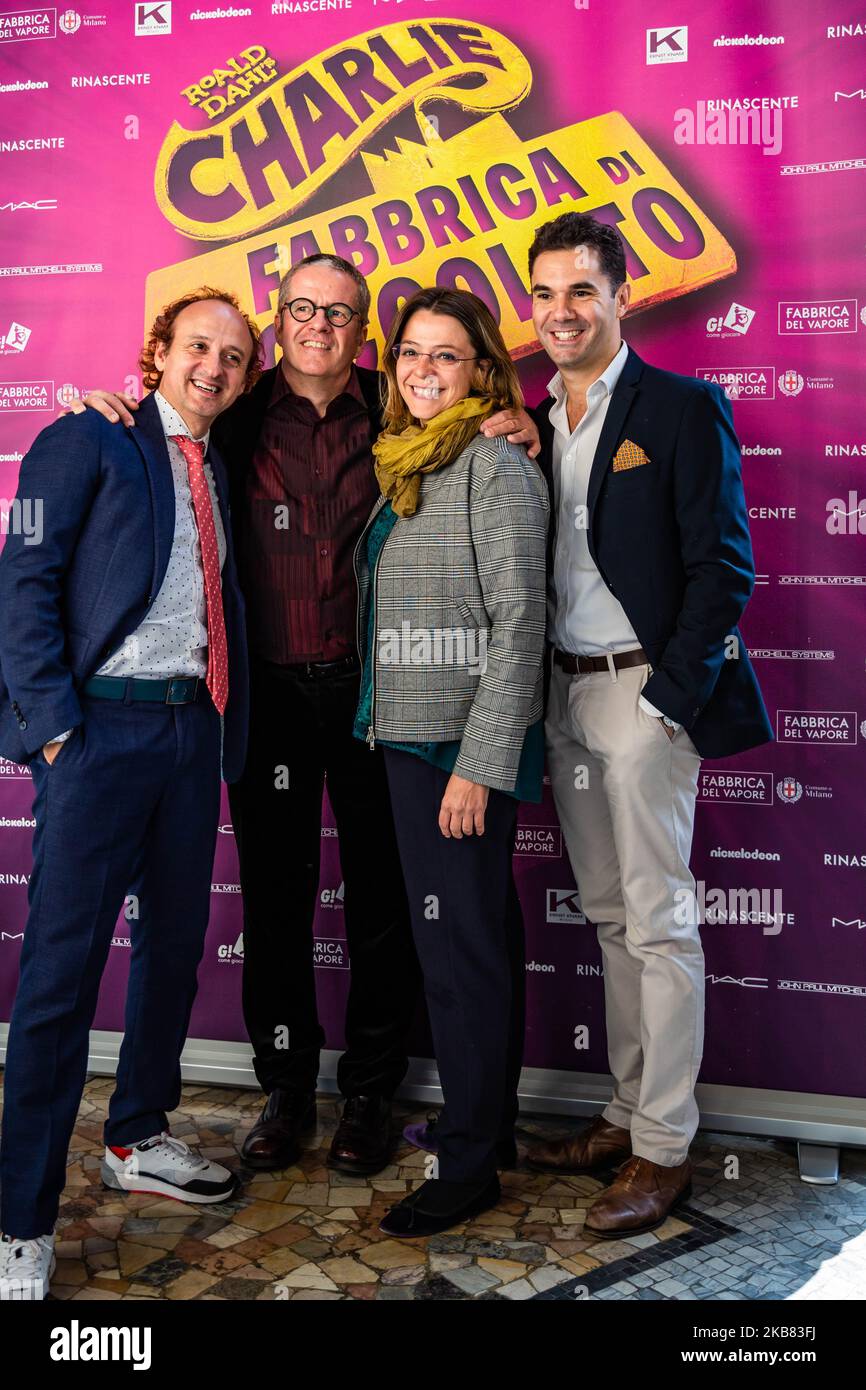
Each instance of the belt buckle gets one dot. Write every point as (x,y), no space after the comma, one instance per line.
(611,666)
(183,681)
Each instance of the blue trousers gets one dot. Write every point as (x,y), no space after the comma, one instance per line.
(130,804)
(468,929)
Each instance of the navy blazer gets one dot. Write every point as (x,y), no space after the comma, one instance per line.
(67,603)
(671,541)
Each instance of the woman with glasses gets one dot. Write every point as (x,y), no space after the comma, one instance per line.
(451,575)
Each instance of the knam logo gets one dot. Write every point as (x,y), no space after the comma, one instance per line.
(816,726)
(563,905)
(26,397)
(742,383)
(817,316)
(333,897)
(667,45)
(153,18)
(13,772)
(748,788)
(28,22)
(737,320)
(538,842)
(330,955)
(232,955)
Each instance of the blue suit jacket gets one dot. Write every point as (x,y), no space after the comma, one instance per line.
(671,540)
(67,603)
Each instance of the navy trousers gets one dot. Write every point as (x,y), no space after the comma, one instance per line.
(130,804)
(468,929)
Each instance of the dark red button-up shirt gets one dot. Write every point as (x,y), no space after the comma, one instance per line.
(309,492)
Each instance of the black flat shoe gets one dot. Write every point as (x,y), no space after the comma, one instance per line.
(437,1206)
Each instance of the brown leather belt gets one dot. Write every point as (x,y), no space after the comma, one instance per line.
(584,665)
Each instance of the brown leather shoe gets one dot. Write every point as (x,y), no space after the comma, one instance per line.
(597,1146)
(273,1141)
(363,1142)
(640,1198)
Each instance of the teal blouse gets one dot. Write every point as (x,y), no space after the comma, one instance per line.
(531,768)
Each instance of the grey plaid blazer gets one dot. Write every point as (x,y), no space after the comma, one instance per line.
(460,611)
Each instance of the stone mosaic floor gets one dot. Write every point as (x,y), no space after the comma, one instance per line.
(310,1233)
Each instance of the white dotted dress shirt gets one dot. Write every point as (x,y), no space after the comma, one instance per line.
(172,639)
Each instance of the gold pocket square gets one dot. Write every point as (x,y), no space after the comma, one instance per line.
(629,455)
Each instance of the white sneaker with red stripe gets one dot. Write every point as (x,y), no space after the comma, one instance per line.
(167,1167)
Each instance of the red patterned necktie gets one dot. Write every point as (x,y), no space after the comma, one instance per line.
(217,678)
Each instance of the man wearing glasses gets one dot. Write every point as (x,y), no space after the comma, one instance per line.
(298,448)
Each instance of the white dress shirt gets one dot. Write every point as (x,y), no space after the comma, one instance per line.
(584,617)
(171,640)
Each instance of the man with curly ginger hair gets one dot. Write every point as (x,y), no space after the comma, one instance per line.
(123,684)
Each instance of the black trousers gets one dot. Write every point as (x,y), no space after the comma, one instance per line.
(303,722)
(468,928)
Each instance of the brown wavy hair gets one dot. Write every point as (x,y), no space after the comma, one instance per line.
(163,332)
(499,380)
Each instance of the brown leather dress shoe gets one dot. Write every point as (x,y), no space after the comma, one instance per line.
(597,1146)
(363,1142)
(273,1141)
(640,1198)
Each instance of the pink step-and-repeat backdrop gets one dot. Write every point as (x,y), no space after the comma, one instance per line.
(146,148)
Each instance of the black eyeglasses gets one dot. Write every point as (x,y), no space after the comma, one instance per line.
(443,358)
(338,315)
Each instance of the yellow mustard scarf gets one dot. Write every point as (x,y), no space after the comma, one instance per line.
(400,459)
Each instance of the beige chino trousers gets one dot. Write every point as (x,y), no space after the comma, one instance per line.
(628,832)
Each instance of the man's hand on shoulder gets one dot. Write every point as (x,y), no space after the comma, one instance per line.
(518,427)
(115,406)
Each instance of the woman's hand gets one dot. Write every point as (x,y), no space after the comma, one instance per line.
(462,809)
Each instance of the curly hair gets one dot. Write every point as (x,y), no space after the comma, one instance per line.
(162,332)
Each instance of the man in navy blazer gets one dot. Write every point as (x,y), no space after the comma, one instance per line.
(650,570)
(123,683)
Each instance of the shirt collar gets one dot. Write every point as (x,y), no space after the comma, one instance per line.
(283,391)
(172,422)
(608,379)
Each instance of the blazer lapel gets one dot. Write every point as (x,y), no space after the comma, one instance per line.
(620,404)
(149,437)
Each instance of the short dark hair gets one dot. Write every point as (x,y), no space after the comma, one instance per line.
(336,263)
(575,229)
